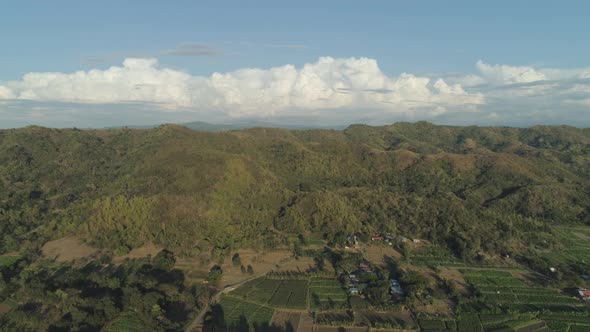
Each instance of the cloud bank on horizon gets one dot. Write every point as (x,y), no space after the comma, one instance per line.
(332,90)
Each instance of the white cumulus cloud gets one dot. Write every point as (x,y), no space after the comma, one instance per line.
(328,83)
(6,93)
(328,90)
(504,74)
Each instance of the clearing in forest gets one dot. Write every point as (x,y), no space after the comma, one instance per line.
(68,249)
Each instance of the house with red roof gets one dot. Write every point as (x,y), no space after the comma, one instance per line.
(584,294)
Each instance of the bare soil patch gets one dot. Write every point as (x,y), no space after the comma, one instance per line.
(454,274)
(438,307)
(68,249)
(303,264)
(261,262)
(4,309)
(376,253)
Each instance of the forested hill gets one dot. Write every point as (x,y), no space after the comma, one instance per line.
(470,189)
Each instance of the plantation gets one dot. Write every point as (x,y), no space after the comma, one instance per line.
(511,291)
(430,324)
(327,294)
(469,323)
(238,313)
(504,303)
(334,319)
(575,250)
(387,320)
(432,257)
(290,294)
(275,292)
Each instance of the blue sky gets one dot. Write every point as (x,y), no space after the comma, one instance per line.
(426,39)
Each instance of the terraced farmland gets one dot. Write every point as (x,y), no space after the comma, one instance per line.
(576,249)
(277,293)
(327,294)
(237,312)
(500,287)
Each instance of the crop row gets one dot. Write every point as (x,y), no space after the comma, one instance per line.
(487,273)
(235,311)
(529,299)
(494,281)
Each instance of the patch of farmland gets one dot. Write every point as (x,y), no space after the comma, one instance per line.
(290,294)
(286,320)
(334,319)
(264,290)
(469,323)
(576,249)
(327,294)
(491,319)
(237,313)
(486,273)
(275,292)
(497,287)
(579,328)
(432,324)
(389,320)
(247,287)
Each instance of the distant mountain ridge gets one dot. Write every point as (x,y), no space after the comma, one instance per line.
(219,127)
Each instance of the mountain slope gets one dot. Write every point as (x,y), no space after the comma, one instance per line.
(466,188)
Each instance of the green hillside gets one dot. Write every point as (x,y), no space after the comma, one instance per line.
(470,189)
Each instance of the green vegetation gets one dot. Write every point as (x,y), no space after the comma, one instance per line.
(327,294)
(239,315)
(467,189)
(469,322)
(7,261)
(500,287)
(137,295)
(274,292)
(475,197)
(126,322)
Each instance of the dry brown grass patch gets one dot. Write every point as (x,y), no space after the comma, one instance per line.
(68,249)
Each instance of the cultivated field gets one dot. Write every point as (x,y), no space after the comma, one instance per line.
(327,294)
(276,293)
(238,313)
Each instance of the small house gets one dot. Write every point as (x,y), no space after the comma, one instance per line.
(395,288)
(365,267)
(353,291)
(584,294)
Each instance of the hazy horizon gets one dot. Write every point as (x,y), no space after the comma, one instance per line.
(455,63)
